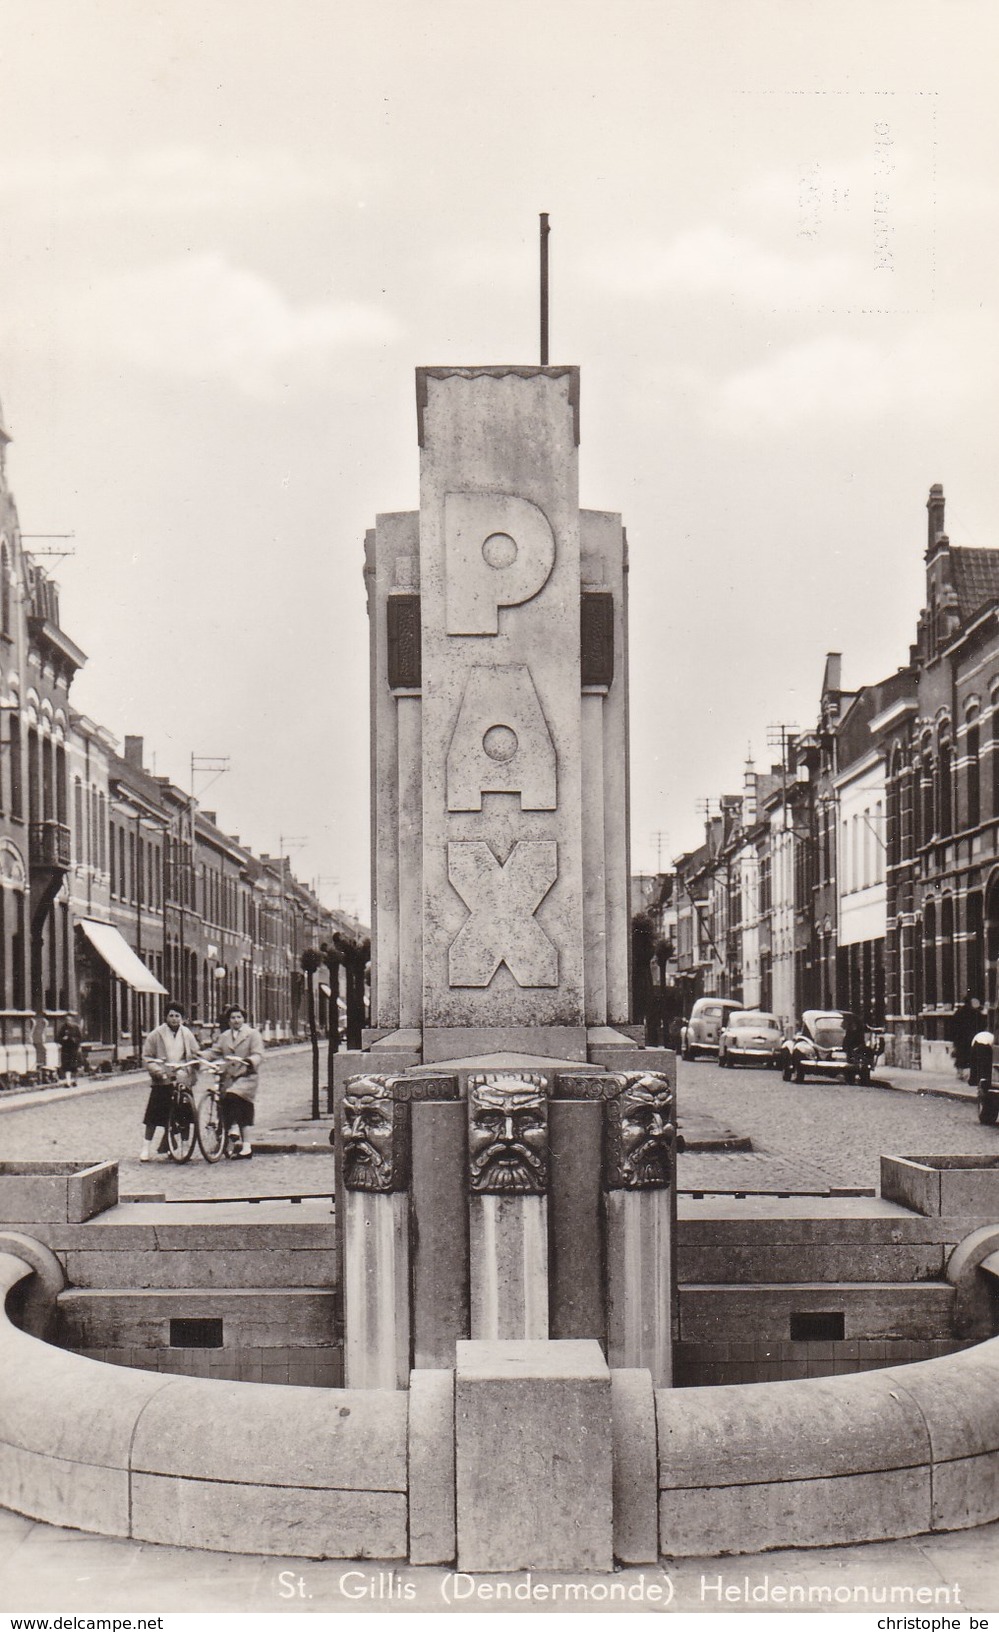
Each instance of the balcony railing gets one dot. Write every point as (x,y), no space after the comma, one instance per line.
(50,845)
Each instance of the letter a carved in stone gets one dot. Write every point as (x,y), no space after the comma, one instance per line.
(502,898)
(501,743)
(499,551)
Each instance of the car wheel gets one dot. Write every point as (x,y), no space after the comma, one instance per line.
(686,1052)
(785,1068)
(987,1113)
(799,1071)
(865,1076)
(850,1077)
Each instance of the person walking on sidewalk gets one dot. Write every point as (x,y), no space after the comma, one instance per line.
(69,1037)
(170,1045)
(969,1019)
(240,1048)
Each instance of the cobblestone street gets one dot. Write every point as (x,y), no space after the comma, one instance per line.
(107,1122)
(825,1130)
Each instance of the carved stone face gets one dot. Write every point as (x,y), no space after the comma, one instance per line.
(373,1129)
(641,1134)
(508,1138)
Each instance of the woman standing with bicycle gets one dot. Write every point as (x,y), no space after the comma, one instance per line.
(169,1046)
(240,1048)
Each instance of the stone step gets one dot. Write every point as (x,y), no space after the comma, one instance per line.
(253,1317)
(767,1262)
(212,1265)
(811,1311)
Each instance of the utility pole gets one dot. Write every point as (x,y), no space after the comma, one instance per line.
(781,736)
(659,838)
(214,766)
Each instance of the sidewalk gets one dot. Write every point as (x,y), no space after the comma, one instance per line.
(940,1084)
(13,1099)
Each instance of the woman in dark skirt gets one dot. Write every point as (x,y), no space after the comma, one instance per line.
(170,1045)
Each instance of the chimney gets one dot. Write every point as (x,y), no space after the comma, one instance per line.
(133,753)
(935,526)
(832,680)
(210,816)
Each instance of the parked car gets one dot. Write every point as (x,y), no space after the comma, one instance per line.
(983,1077)
(701,1033)
(831,1043)
(750,1035)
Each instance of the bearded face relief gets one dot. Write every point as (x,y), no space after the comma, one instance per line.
(508,1137)
(640,1133)
(374,1133)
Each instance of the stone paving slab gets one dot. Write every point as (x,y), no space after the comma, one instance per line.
(47,1570)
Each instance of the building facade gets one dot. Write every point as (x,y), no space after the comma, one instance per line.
(115,887)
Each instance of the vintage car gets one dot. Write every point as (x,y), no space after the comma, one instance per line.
(750,1036)
(831,1043)
(701,1033)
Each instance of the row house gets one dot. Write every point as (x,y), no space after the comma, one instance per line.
(940,745)
(875,843)
(38,662)
(115,887)
(193,913)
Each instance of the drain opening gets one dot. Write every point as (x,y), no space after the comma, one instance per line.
(196,1333)
(814,1326)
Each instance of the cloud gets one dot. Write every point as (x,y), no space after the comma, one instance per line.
(923,374)
(712,260)
(202,318)
(168,180)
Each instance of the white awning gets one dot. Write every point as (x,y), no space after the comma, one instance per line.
(119,957)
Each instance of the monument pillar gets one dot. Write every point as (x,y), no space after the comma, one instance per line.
(519,1187)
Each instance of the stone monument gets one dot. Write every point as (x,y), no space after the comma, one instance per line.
(505,1146)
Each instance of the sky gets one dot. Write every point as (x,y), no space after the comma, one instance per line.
(231,232)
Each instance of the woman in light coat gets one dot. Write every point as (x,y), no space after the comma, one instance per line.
(240,1048)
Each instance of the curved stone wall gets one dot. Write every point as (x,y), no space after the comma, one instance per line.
(830,1461)
(233,1467)
(307,1472)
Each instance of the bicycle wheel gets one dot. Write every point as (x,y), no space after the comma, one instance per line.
(180,1130)
(211,1128)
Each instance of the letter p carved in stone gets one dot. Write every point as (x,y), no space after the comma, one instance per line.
(499,551)
(502,898)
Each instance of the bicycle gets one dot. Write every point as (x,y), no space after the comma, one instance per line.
(210,1115)
(181,1128)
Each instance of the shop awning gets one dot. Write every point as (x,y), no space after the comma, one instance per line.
(119,957)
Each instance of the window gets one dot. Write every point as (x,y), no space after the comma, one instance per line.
(976,945)
(995,753)
(945,794)
(947,951)
(4,591)
(927,814)
(973,800)
(78,819)
(930,955)
(102,832)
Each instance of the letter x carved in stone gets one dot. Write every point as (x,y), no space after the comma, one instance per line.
(502,898)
